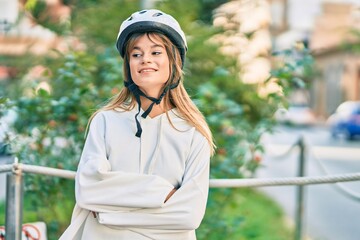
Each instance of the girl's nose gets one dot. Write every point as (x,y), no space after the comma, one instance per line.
(146,58)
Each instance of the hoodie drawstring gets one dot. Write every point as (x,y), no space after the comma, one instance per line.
(157,149)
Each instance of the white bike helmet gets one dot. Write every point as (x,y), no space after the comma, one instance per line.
(152,21)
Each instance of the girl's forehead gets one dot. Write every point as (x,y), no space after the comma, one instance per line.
(149,39)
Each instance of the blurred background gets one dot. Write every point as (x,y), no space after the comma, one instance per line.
(265,73)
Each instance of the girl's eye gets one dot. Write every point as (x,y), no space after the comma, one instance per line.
(136,55)
(157,53)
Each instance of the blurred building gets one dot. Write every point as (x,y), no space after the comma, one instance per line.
(340,69)
(20,34)
(324,26)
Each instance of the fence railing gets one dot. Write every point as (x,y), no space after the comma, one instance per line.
(14,188)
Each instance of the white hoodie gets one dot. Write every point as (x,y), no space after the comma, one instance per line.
(125,179)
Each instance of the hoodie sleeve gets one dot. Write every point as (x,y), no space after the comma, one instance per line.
(184,210)
(99,189)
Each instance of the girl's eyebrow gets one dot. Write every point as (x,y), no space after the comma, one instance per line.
(153,46)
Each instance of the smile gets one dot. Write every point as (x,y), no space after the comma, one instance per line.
(147,70)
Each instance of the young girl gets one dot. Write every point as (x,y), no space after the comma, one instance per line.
(144,169)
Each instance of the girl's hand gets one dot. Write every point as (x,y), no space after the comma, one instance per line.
(170,194)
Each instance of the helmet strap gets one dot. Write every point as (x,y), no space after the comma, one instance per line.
(137,93)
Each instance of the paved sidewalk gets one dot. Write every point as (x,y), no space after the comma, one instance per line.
(329,214)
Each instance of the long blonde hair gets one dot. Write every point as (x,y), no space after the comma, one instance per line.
(176,97)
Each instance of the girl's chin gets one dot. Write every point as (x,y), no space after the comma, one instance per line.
(150,92)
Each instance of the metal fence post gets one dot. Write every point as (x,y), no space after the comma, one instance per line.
(14,204)
(300,192)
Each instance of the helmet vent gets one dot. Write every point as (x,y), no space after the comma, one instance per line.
(157,14)
(143,11)
(130,18)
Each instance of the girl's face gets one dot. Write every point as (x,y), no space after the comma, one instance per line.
(149,65)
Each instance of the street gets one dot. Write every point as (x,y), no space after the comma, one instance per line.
(329,213)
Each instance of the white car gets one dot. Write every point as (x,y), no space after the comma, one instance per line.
(299,115)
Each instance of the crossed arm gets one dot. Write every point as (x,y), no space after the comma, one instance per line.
(131,200)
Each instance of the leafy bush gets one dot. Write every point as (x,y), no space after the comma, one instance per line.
(50,127)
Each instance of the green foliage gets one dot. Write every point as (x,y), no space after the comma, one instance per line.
(206,11)
(244,214)
(239,150)
(40,13)
(97,22)
(50,127)
(19,66)
(295,68)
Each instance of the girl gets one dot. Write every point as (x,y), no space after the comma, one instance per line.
(144,169)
